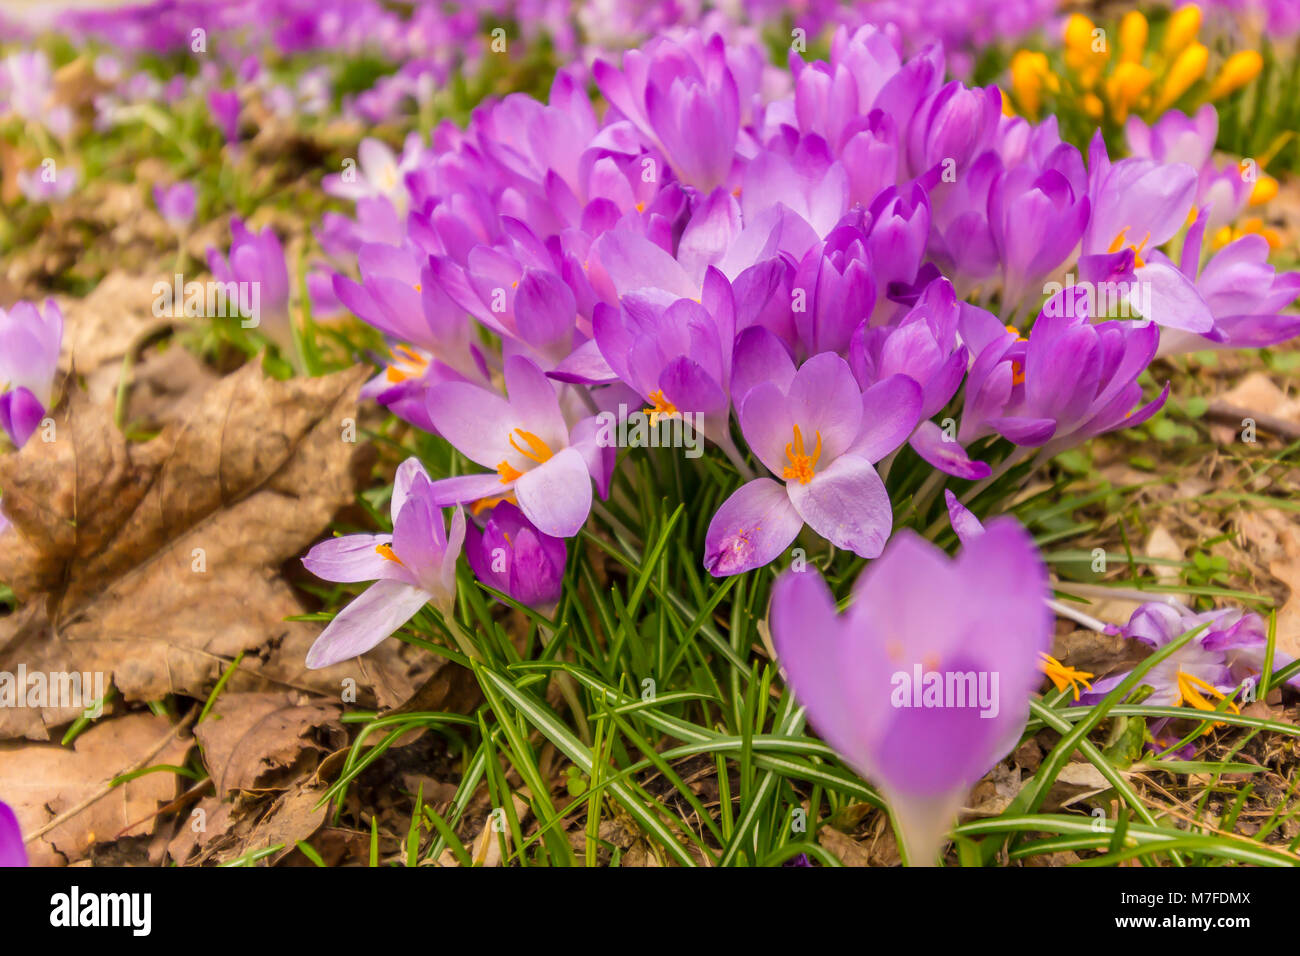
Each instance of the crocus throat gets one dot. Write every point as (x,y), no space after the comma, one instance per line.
(1063,676)
(662,408)
(1118,243)
(1017,370)
(407,363)
(802,466)
(385,551)
(537,451)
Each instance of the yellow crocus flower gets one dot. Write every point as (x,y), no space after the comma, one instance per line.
(1133,32)
(1182,29)
(1187,69)
(1242,67)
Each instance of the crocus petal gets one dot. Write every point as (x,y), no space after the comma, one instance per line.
(965,524)
(476,421)
(349,558)
(847,505)
(931,443)
(890,409)
(750,529)
(378,612)
(556,496)
(464,488)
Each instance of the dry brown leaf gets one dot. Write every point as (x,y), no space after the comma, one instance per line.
(45,781)
(159,562)
(261,741)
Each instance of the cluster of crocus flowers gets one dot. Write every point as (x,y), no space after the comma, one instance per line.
(784,258)
(1112,77)
(30,338)
(923,684)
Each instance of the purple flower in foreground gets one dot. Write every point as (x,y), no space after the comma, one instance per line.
(411,567)
(511,555)
(12,852)
(924,683)
(175,204)
(822,435)
(547,467)
(29,356)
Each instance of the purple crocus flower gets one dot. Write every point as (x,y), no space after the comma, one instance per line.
(1244,293)
(256,261)
(511,555)
(684,97)
(224,105)
(821,435)
(1175,137)
(924,683)
(29,356)
(1138,205)
(379,172)
(175,204)
(537,458)
(1207,669)
(923,346)
(1072,379)
(413,566)
(12,851)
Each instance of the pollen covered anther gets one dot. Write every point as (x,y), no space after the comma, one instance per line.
(802,466)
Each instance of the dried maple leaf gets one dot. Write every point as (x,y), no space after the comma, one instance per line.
(157,563)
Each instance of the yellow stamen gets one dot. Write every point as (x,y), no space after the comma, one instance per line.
(485,504)
(802,466)
(386,552)
(662,408)
(1118,243)
(1192,690)
(1063,676)
(537,451)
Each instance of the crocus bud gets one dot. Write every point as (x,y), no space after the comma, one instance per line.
(1187,69)
(1133,32)
(511,555)
(1182,29)
(1242,67)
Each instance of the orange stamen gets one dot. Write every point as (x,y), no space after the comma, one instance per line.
(386,552)
(537,451)
(1063,676)
(802,466)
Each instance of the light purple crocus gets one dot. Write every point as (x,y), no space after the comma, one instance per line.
(224,106)
(29,357)
(12,851)
(378,172)
(684,97)
(1244,293)
(1137,206)
(1072,379)
(816,430)
(511,555)
(413,566)
(924,683)
(547,466)
(176,204)
(256,260)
